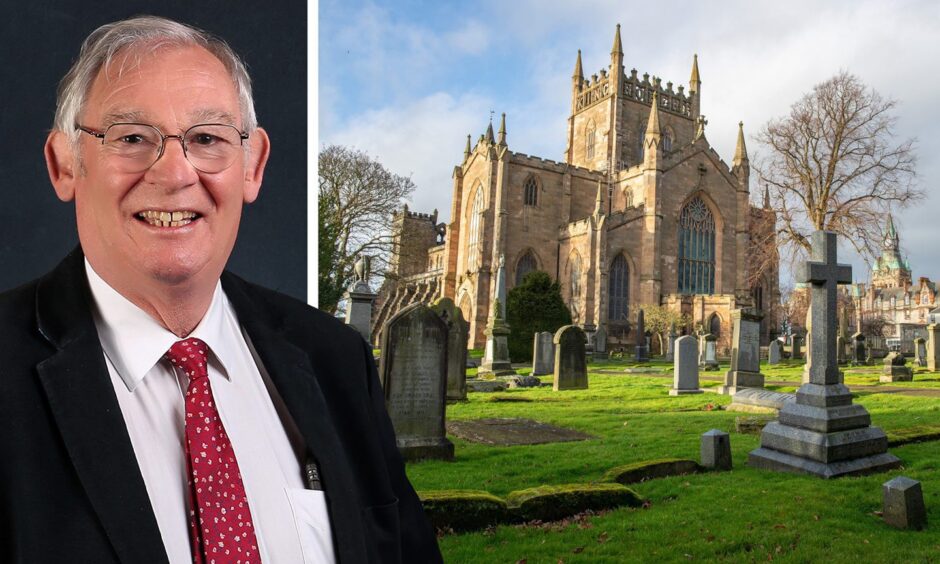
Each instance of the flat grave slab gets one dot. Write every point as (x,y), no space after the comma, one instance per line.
(512,432)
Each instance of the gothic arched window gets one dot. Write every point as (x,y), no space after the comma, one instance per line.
(525,265)
(476,230)
(617,289)
(758,294)
(639,143)
(589,141)
(714,325)
(667,141)
(531,188)
(696,249)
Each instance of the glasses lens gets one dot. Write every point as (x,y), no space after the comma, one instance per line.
(134,146)
(212,148)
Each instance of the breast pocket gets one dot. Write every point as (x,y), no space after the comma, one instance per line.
(313,525)
(383,527)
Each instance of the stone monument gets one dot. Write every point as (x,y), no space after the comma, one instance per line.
(496,354)
(920,351)
(641,351)
(458,332)
(823,433)
(933,347)
(600,344)
(359,300)
(671,343)
(796,353)
(903,505)
(896,369)
(414,378)
(773,352)
(570,361)
(745,353)
(709,357)
(543,354)
(858,349)
(685,367)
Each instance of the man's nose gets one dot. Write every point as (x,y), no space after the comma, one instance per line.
(172,168)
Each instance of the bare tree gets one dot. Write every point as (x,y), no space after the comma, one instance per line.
(357,197)
(833,163)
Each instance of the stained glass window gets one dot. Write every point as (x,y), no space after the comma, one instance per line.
(525,265)
(531,191)
(617,289)
(476,228)
(696,249)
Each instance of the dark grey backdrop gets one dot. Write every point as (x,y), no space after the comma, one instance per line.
(39,40)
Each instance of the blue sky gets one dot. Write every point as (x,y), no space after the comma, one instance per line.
(407,81)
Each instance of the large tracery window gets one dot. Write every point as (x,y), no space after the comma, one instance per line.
(617,290)
(525,265)
(531,188)
(696,249)
(476,230)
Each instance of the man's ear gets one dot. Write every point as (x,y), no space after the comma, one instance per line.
(259,147)
(61,164)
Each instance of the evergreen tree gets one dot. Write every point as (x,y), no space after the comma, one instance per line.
(532,307)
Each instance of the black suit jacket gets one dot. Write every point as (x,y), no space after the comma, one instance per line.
(70,487)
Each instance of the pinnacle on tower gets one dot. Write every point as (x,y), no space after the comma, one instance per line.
(489,133)
(652,126)
(892,241)
(466,151)
(578,75)
(617,49)
(502,130)
(740,152)
(694,80)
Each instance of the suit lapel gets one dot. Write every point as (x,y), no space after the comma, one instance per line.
(295,379)
(85,409)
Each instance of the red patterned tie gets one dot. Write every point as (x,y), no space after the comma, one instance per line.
(221,530)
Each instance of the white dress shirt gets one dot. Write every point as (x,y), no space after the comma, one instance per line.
(291,523)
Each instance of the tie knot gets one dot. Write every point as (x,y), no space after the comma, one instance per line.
(191,355)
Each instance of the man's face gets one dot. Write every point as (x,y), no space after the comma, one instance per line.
(173,89)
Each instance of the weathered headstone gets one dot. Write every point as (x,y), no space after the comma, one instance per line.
(600,344)
(716,450)
(414,378)
(773,352)
(496,353)
(570,361)
(685,367)
(840,349)
(641,350)
(920,351)
(745,353)
(823,432)
(543,354)
(933,347)
(858,349)
(904,504)
(795,347)
(709,355)
(671,344)
(359,299)
(896,369)
(457,334)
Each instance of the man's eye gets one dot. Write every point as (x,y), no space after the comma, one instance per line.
(204,139)
(132,139)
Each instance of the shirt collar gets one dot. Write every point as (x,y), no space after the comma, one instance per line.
(135,342)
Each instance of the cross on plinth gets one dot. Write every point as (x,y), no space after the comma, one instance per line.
(824,274)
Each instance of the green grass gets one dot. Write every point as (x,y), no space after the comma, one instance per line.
(739,516)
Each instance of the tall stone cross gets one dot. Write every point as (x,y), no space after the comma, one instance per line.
(824,274)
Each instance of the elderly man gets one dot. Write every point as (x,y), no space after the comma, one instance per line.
(154,408)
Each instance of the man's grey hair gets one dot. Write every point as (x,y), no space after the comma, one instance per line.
(151,32)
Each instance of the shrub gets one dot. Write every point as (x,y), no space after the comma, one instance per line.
(532,307)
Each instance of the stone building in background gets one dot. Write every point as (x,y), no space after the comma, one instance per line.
(641,211)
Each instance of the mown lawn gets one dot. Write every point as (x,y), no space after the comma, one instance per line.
(739,516)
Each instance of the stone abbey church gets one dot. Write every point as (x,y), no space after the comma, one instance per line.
(641,211)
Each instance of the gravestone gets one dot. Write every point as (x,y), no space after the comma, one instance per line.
(570,361)
(543,354)
(904,504)
(457,334)
(685,367)
(414,378)
(858,349)
(745,353)
(773,352)
(715,452)
(359,299)
(671,343)
(796,353)
(823,433)
(920,351)
(933,347)
(641,351)
(709,358)
(600,344)
(896,369)
(840,349)
(496,353)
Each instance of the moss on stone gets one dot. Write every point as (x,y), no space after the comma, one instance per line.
(463,510)
(550,503)
(649,469)
(908,435)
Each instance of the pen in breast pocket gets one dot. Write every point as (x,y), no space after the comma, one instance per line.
(312,476)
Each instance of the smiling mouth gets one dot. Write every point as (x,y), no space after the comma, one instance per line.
(168,219)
